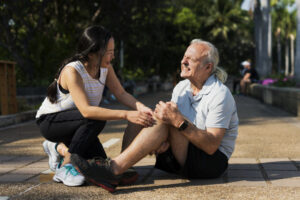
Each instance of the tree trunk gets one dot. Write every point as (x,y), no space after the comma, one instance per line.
(297,66)
(258,34)
(292,54)
(286,72)
(266,67)
(278,51)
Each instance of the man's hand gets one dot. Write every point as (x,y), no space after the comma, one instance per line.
(168,113)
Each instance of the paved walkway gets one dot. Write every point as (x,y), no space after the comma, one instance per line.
(266,160)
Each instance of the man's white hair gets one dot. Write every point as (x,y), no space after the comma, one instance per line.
(212,56)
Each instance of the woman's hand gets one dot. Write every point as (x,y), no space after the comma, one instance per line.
(138,117)
(141,107)
(144,109)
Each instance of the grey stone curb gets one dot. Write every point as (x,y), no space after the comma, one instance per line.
(13,119)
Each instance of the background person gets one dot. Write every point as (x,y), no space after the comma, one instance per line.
(250,76)
(70,115)
(195,133)
(237,81)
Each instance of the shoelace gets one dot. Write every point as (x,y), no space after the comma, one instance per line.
(99,160)
(71,170)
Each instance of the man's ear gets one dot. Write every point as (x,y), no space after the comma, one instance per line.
(209,67)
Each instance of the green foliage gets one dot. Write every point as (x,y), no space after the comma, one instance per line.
(155,33)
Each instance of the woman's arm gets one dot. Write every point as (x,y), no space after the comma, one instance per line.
(72,81)
(123,97)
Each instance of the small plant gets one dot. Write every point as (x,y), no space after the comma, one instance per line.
(280,81)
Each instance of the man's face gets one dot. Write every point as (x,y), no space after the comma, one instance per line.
(191,63)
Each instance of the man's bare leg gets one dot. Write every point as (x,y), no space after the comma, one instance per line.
(131,131)
(179,145)
(148,140)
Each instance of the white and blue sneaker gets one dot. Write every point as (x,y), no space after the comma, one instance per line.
(54,157)
(68,175)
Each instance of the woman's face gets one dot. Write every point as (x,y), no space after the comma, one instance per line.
(109,54)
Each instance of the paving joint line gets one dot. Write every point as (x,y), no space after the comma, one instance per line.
(148,175)
(263,172)
(295,164)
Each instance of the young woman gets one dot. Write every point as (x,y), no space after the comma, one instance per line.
(70,116)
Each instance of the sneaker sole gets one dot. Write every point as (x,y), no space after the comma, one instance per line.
(107,186)
(129,181)
(102,183)
(59,180)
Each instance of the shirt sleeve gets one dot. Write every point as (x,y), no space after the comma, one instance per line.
(220,111)
(176,92)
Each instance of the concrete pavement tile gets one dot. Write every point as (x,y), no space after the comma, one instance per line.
(146,161)
(297,161)
(29,170)
(169,181)
(46,176)
(13,164)
(39,165)
(244,174)
(4,158)
(9,178)
(160,173)
(283,174)
(46,159)
(5,170)
(280,166)
(251,182)
(286,182)
(20,161)
(242,161)
(35,179)
(29,159)
(208,181)
(274,160)
(143,171)
(243,164)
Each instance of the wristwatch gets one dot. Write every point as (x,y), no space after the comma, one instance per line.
(183,125)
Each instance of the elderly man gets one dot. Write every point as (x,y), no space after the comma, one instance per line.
(195,132)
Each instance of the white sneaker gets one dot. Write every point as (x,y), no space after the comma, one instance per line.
(68,175)
(54,157)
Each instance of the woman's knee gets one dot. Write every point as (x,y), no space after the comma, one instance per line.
(95,124)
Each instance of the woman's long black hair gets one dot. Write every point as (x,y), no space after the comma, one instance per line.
(93,39)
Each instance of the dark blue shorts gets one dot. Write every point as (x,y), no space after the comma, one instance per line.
(198,163)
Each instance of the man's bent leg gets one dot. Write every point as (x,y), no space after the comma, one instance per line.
(174,159)
(131,131)
(179,145)
(148,140)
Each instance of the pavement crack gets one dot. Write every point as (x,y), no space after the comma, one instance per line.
(295,164)
(263,172)
(25,191)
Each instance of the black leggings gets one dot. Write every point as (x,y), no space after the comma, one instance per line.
(79,134)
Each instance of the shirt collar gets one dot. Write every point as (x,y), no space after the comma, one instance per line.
(207,87)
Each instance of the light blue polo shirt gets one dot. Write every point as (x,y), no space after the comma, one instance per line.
(212,107)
